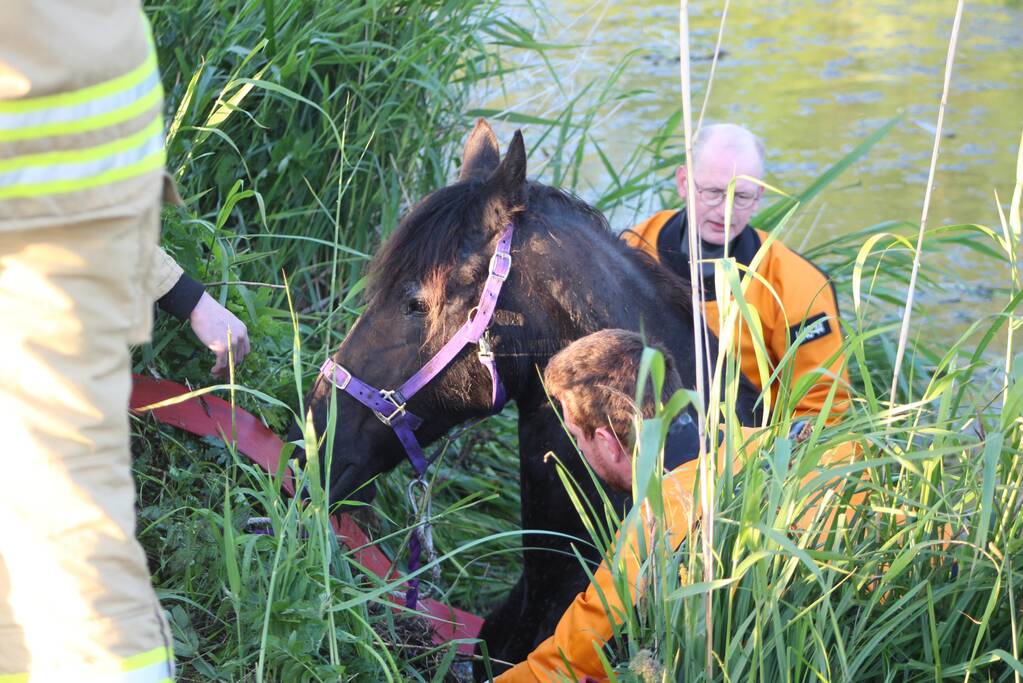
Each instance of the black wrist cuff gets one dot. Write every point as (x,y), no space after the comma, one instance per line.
(797,428)
(182,297)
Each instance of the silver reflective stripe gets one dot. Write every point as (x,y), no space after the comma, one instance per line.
(84,110)
(78,170)
(161,671)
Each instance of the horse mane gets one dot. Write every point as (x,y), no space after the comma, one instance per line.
(675,290)
(443,228)
(433,235)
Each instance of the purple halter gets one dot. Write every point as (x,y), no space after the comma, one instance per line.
(390,405)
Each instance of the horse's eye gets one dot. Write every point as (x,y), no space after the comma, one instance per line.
(416,306)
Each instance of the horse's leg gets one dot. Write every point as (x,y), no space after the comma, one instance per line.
(505,640)
(552,575)
(550,580)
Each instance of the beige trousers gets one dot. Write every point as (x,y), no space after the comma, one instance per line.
(76,603)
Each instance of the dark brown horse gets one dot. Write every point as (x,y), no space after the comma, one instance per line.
(570,276)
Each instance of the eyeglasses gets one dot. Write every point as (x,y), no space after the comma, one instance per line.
(712,196)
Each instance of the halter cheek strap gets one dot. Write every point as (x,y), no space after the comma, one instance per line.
(390,405)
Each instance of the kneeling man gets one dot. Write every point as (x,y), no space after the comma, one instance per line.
(594,380)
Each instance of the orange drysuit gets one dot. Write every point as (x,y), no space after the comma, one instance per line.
(585,627)
(805,308)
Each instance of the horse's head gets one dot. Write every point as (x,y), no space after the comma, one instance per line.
(423,285)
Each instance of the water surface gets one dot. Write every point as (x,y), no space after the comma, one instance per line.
(813,78)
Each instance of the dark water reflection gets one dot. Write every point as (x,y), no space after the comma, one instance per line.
(814,78)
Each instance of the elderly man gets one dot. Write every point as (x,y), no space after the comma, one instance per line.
(794,300)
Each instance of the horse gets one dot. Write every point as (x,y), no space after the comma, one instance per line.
(562,275)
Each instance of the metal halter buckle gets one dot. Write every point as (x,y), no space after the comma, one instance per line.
(333,377)
(486,351)
(493,265)
(398,403)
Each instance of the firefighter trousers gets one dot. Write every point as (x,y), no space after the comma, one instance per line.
(76,602)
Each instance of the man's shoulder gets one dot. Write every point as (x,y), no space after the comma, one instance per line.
(677,488)
(802,285)
(649,227)
(784,263)
(645,234)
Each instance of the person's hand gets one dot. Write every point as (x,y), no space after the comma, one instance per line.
(211,322)
(801,430)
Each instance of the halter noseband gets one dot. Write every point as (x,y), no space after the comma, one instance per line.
(390,405)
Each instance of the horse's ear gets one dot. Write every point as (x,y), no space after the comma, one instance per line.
(481,154)
(509,178)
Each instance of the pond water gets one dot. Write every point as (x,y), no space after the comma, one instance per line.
(814,78)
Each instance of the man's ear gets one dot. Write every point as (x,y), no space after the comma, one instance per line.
(756,202)
(680,181)
(612,445)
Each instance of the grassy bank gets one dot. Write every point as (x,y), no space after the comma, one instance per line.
(299,132)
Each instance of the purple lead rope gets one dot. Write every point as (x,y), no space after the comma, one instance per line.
(390,406)
(414,548)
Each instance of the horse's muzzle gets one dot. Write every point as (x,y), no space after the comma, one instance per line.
(351,485)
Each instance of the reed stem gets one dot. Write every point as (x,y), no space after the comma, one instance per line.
(908,312)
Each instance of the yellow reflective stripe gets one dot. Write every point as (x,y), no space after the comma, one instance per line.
(82,155)
(149,667)
(157,654)
(151,99)
(68,115)
(128,678)
(72,170)
(76,97)
(152,162)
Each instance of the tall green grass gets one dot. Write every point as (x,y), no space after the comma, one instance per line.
(300,131)
(917,582)
(917,577)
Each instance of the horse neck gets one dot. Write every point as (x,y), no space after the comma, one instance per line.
(589,284)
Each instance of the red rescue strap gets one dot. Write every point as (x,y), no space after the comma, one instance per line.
(211,416)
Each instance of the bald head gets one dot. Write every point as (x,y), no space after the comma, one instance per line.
(729,140)
(723,153)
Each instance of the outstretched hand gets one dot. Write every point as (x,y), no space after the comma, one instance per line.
(211,323)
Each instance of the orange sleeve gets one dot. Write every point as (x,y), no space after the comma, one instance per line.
(809,305)
(644,235)
(585,626)
(583,629)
